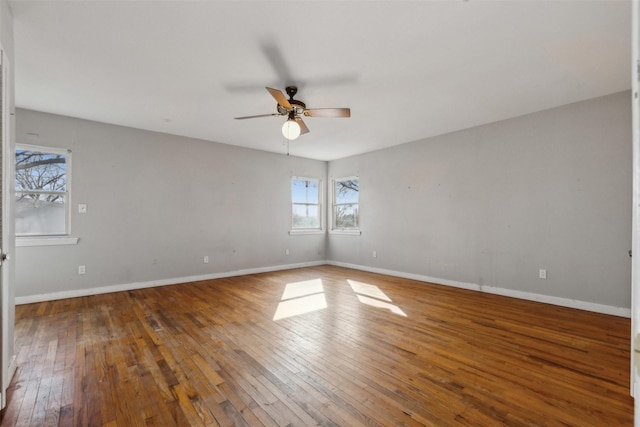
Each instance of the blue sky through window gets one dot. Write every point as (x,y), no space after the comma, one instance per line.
(304,191)
(346,191)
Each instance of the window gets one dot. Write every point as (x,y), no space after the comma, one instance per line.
(305,204)
(345,204)
(42,191)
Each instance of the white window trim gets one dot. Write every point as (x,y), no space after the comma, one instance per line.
(43,239)
(307,231)
(304,232)
(344,231)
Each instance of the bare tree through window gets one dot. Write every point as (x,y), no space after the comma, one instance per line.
(346,203)
(41,191)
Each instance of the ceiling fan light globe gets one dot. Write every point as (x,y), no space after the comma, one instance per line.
(291,129)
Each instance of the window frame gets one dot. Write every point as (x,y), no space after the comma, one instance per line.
(49,239)
(343,230)
(307,230)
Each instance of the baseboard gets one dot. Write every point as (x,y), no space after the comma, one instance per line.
(547,299)
(153,283)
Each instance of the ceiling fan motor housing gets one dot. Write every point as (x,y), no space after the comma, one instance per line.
(298,106)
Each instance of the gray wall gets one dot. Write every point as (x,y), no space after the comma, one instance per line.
(489,206)
(494,204)
(158,203)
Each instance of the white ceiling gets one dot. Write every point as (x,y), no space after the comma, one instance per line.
(407,69)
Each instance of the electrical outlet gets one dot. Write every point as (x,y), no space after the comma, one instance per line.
(206,259)
(82,208)
(542,273)
(286,251)
(82,269)
(375,254)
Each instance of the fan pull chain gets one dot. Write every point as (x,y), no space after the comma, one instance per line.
(286,141)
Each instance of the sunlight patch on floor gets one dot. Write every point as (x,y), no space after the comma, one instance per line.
(374,296)
(300,298)
(369,290)
(301,289)
(381,304)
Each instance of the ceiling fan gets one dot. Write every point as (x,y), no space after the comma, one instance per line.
(294,110)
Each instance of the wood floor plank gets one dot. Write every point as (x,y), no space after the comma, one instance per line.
(378,351)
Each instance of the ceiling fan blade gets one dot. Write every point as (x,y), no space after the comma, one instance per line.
(303,127)
(280,97)
(327,112)
(255,117)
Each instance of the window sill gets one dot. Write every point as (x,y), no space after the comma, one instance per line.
(46,241)
(304,232)
(346,232)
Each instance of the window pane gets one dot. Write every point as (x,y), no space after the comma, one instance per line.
(40,171)
(346,216)
(306,216)
(346,191)
(304,191)
(40,214)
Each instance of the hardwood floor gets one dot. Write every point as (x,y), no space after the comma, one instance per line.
(347,348)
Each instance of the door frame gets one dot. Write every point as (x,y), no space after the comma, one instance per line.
(7,307)
(635,233)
